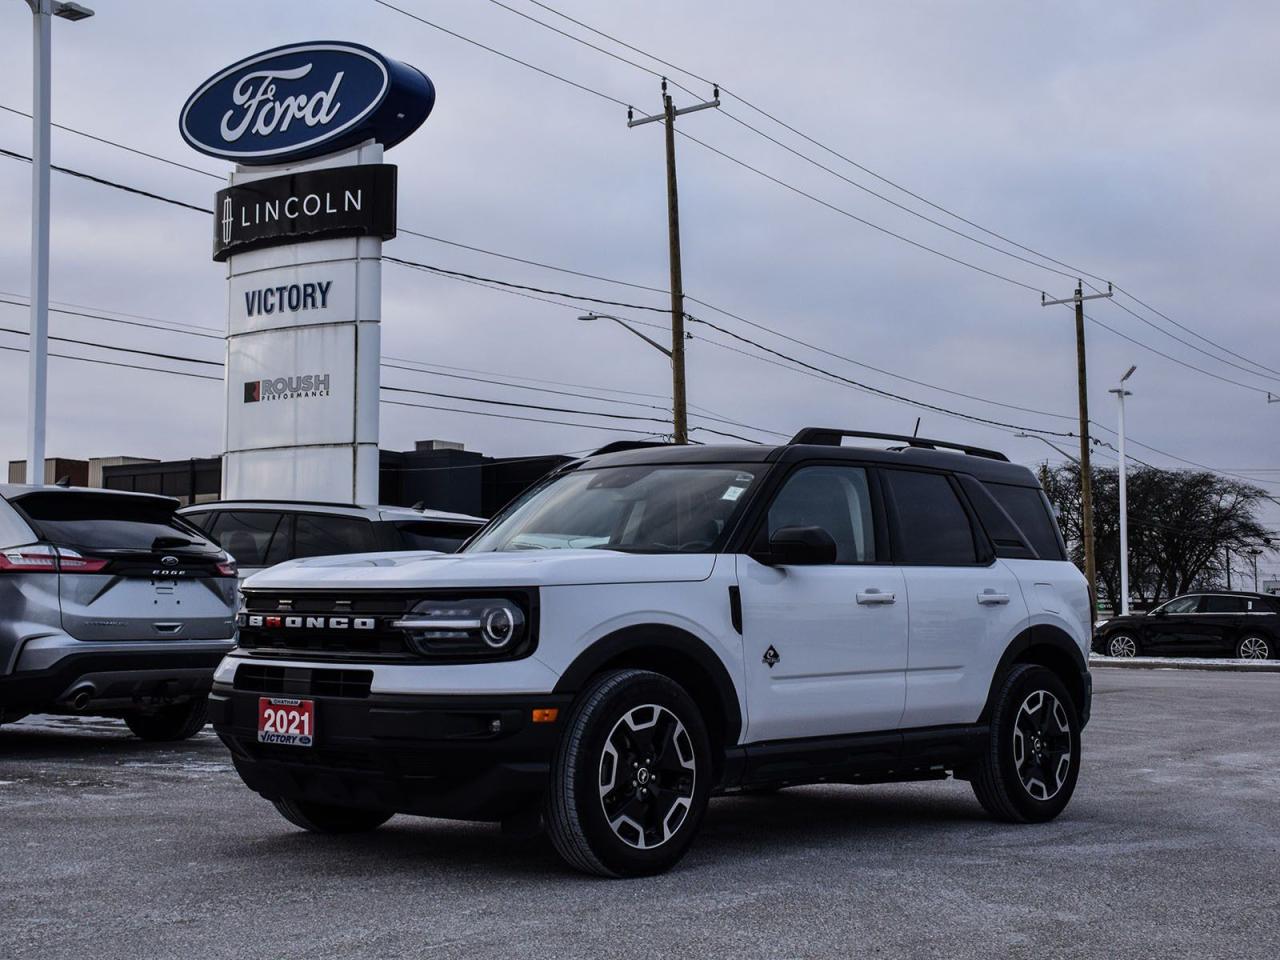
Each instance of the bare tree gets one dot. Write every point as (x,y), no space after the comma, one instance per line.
(1182,523)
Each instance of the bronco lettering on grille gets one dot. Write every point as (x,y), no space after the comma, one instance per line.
(311,623)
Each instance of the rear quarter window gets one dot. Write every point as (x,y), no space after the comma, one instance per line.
(1030,510)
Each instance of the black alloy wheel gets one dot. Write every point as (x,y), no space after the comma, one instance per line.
(1028,772)
(631,776)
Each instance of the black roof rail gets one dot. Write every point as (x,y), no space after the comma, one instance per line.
(618,446)
(831,437)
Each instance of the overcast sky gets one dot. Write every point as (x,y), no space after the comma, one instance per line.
(1136,141)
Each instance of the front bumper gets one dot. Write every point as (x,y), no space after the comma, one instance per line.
(466,757)
(119,678)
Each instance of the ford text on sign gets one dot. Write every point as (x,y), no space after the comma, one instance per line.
(304,100)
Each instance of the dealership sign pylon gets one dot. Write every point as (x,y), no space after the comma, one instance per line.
(300,227)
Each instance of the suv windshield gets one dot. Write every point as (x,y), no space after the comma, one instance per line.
(683,508)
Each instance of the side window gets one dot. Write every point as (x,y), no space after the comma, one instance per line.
(203,520)
(1030,510)
(933,526)
(1220,604)
(1182,605)
(248,535)
(433,535)
(835,498)
(317,535)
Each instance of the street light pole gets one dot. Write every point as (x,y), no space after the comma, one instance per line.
(42,14)
(1121,393)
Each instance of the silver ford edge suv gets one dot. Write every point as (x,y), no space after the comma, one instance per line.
(111,605)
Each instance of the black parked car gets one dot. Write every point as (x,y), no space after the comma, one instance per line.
(1243,625)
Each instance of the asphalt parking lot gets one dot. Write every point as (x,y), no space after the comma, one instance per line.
(1171,848)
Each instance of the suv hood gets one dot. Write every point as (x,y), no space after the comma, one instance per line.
(532,568)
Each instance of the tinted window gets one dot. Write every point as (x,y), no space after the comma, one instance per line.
(834,498)
(434,535)
(933,527)
(1181,605)
(316,535)
(1030,511)
(251,536)
(104,522)
(1005,534)
(203,520)
(1219,604)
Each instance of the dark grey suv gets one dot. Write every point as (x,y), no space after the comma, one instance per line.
(110,604)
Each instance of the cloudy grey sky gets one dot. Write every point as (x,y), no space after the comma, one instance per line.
(1137,141)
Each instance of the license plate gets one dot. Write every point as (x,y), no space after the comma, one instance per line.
(285,721)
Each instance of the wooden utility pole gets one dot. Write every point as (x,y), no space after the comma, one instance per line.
(679,405)
(1086,471)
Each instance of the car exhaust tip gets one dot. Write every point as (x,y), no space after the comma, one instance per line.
(81,697)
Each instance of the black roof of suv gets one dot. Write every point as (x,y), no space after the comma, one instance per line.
(825,443)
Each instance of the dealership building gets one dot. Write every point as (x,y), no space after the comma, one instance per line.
(435,474)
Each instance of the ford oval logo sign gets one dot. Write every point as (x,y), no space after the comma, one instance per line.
(304,100)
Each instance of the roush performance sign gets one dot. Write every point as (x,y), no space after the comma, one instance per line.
(356,201)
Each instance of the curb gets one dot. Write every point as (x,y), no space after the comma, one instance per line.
(1169,663)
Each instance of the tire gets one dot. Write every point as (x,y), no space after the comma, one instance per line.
(1122,646)
(1021,777)
(180,722)
(325,818)
(1255,647)
(629,730)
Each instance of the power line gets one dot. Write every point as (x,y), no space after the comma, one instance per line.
(853,216)
(99,316)
(121,146)
(110,183)
(505,56)
(1075,270)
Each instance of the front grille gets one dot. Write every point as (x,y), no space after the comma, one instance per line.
(302,681)
(381,643)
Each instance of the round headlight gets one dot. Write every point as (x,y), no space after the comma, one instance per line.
(498,626)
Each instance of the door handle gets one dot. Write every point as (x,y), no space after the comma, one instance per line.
(873,596)
(991,598)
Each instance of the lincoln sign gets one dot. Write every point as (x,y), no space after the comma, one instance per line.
(356,201)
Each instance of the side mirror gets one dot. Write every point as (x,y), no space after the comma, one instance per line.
(799,546)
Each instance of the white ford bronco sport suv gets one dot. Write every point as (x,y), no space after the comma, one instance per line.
(654,625)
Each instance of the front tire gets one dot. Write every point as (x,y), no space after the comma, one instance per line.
(326,818)
(1122,646)
(179,722)
(631,776)
(1254,647)
(1028,772)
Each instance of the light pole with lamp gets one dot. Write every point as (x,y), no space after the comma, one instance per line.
(678,411)
(42,14)
(1255,552)
(1121,393)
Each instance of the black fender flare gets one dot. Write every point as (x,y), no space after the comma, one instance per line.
(648,644)
(1060,650)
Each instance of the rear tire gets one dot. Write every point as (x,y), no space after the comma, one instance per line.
(325,818)
(179,722)
(1122,645)
(1028,771)
(631,776)
(1255,647)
